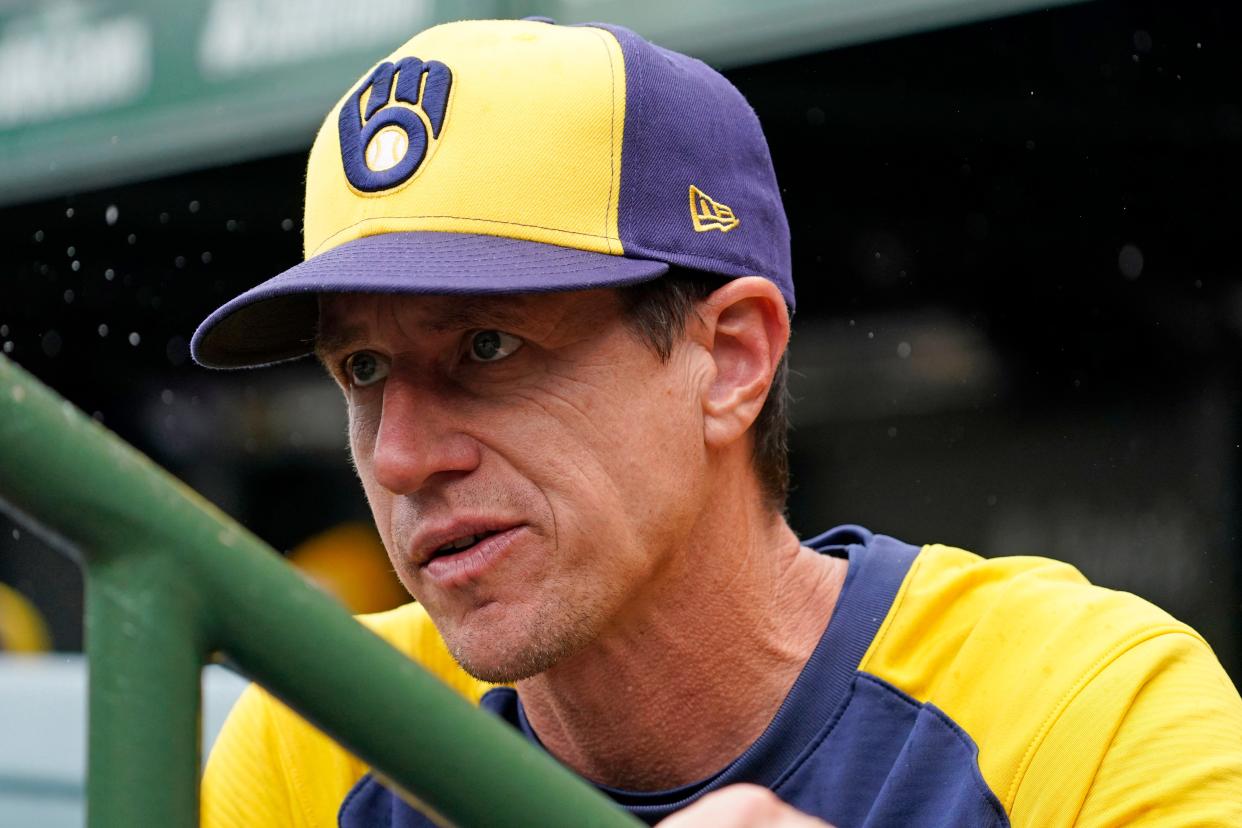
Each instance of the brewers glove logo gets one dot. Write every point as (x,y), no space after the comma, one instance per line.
(383,145)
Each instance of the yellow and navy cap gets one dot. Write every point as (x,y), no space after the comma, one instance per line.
(492,156)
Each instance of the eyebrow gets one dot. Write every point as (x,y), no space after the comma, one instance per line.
(337,340)
(484,312)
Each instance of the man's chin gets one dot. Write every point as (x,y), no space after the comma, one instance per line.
(504,671)
(505,650)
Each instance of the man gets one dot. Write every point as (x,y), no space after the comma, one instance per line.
(549,269)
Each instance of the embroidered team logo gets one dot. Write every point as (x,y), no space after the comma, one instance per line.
(708,214)
(384,143)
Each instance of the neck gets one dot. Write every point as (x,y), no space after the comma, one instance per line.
(687,681)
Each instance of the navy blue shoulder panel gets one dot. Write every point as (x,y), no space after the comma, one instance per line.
(888,760)
(845,746)
(372,805)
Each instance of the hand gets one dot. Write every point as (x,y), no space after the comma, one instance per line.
(741,806)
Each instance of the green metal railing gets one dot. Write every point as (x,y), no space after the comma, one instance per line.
(171,581)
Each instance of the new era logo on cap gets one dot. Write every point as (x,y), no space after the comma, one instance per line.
(708,214)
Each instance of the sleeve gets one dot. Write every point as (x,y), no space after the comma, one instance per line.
(244,784)
(270,768)
(1155,738)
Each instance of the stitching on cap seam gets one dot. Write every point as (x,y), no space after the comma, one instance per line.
(1063,703)
(533,267)
(640,116)
(612,130)
(459,218)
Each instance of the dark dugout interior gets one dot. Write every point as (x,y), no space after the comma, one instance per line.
(1016,251)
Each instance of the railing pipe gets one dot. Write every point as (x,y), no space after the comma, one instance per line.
(172,580)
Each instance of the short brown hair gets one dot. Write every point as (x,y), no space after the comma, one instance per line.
(657,310)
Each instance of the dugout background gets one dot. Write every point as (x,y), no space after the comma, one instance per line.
(1016,251)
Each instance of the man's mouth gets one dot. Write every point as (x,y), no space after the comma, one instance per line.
(466,558)
(460,544)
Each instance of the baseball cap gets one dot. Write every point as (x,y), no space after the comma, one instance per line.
(507,156)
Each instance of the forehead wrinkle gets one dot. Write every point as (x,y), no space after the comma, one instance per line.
(484,312)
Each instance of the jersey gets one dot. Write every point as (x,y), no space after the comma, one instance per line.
(947,689)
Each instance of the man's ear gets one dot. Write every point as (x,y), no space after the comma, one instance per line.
(745,331)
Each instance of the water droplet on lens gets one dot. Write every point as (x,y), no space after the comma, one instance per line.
(111,214)
(103,329)
(286,225)
(69,213)
(1130,261)
(903,350)
(51,343)
(69,297)
(177,350)
(194,205)
(38,236)
(134,338)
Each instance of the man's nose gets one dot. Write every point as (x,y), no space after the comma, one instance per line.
(420,437)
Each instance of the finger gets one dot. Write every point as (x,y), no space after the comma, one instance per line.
(741,806)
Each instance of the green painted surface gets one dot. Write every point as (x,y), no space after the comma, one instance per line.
(92,94)
(171,580)
(144,639)
(113,90)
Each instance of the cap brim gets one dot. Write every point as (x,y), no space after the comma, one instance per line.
(276,320)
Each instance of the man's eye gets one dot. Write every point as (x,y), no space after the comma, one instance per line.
(491,346)
(365,368)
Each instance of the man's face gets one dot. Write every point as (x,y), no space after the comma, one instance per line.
(531,465)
